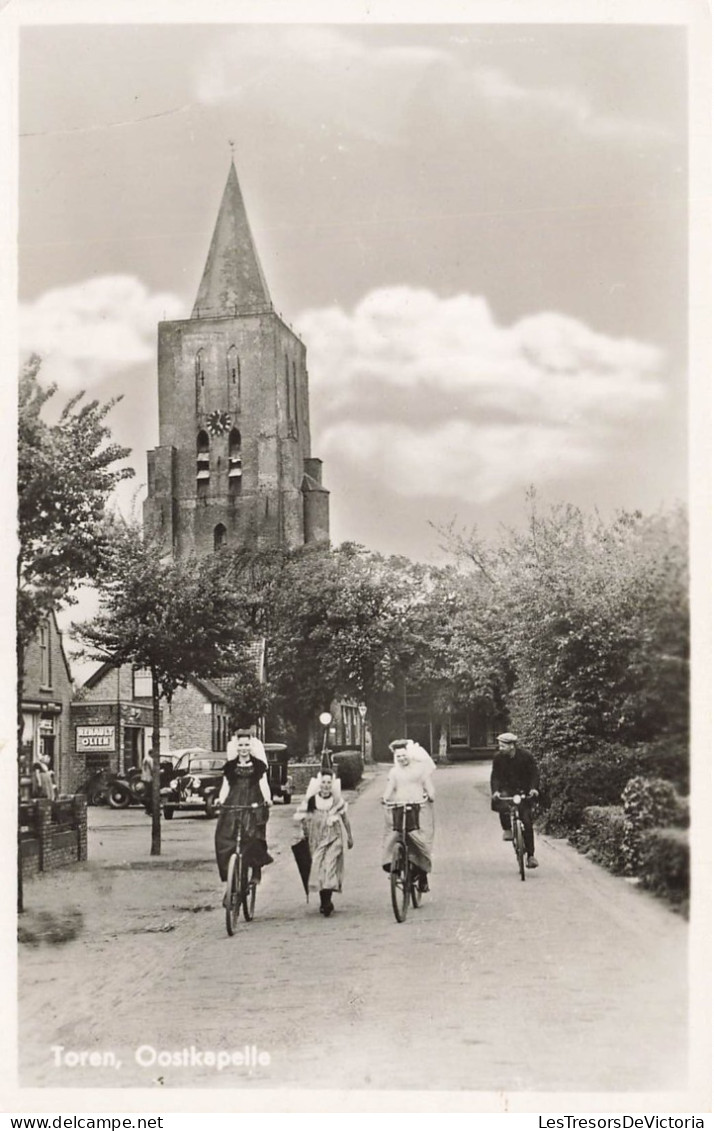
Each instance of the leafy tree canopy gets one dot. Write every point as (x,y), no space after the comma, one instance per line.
(177,617)
(66,472)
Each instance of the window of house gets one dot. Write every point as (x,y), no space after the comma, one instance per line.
(142,683)
(45,656)
(219,536)
(287,389)
(458,730)
(200,375)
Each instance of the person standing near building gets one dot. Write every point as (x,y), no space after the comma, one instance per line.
(147,778)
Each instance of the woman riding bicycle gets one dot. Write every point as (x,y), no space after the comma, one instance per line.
(244,786)
(409,782)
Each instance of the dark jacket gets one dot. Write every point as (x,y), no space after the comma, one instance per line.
(514,773)
(258,768)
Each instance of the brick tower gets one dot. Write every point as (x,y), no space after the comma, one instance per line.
(233,466)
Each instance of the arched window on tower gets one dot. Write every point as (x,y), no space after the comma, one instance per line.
(200,374)
(199,363)
(235,462)
(203,462)
(288,407)
(233,364)
(219,536)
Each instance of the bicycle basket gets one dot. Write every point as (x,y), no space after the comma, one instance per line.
(412,817)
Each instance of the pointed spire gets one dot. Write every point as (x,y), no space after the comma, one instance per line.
(233,281)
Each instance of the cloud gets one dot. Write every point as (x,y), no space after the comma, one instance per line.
(315,75)
(436,399)
(563,105)
(87,332)
(325,75)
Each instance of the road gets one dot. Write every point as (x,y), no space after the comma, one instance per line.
(572,981)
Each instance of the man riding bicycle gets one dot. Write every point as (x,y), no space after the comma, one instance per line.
(515,771)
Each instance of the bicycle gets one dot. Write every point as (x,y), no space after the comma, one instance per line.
(240,884)
(403,879)
(519,845)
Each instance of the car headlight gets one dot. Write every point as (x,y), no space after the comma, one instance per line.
(173,784)
(195,782)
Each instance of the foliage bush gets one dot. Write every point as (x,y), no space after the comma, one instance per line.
(648,803)
(348,766)
(569,786)
(664,864)
(667,758)
(601,835)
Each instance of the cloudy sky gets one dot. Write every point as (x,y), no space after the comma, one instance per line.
(479,231)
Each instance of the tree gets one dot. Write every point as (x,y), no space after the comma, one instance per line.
(339,626)
(590,619)
(174,617)
(66,473)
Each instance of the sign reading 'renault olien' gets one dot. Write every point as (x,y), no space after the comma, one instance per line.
(94,738)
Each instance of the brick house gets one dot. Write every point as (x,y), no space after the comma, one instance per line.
(198,716)
(457,735)
(47,691)
(112,717)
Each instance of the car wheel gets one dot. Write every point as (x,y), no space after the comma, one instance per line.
(119,796)
(168,812)
(212,805)
(287,798)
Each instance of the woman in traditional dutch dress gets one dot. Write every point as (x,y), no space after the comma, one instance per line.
(323,814)
(245,785)
(409,782)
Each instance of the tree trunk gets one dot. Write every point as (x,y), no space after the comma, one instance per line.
(156,778)
(311,743)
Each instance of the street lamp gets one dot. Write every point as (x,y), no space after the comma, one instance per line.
(325,720)
(362,708)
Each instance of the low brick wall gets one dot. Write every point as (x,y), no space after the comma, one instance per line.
(53,834)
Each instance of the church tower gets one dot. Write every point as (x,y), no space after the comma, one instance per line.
(233,466)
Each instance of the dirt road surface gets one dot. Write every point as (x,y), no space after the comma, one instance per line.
(572,981)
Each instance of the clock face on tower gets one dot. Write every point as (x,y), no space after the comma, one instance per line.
(218,422)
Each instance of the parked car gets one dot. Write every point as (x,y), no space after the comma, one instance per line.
(196,783)
(280,781)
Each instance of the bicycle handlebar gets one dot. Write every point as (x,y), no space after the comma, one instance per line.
(243,808)
(406,804)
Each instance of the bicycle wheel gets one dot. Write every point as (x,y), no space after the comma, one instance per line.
(399,882)
(247,889)
(519,847)
(232,898)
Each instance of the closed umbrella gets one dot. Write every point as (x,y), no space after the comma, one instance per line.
(303,859)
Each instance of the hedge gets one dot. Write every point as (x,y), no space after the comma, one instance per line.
(601,836)
(648,803)
(348,767)
(664,864)
(569,786)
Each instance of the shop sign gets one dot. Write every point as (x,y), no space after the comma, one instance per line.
(93,738)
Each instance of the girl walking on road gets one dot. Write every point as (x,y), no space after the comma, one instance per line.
(325,824)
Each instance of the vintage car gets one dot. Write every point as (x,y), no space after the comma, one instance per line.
(195,784)
(280,781)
